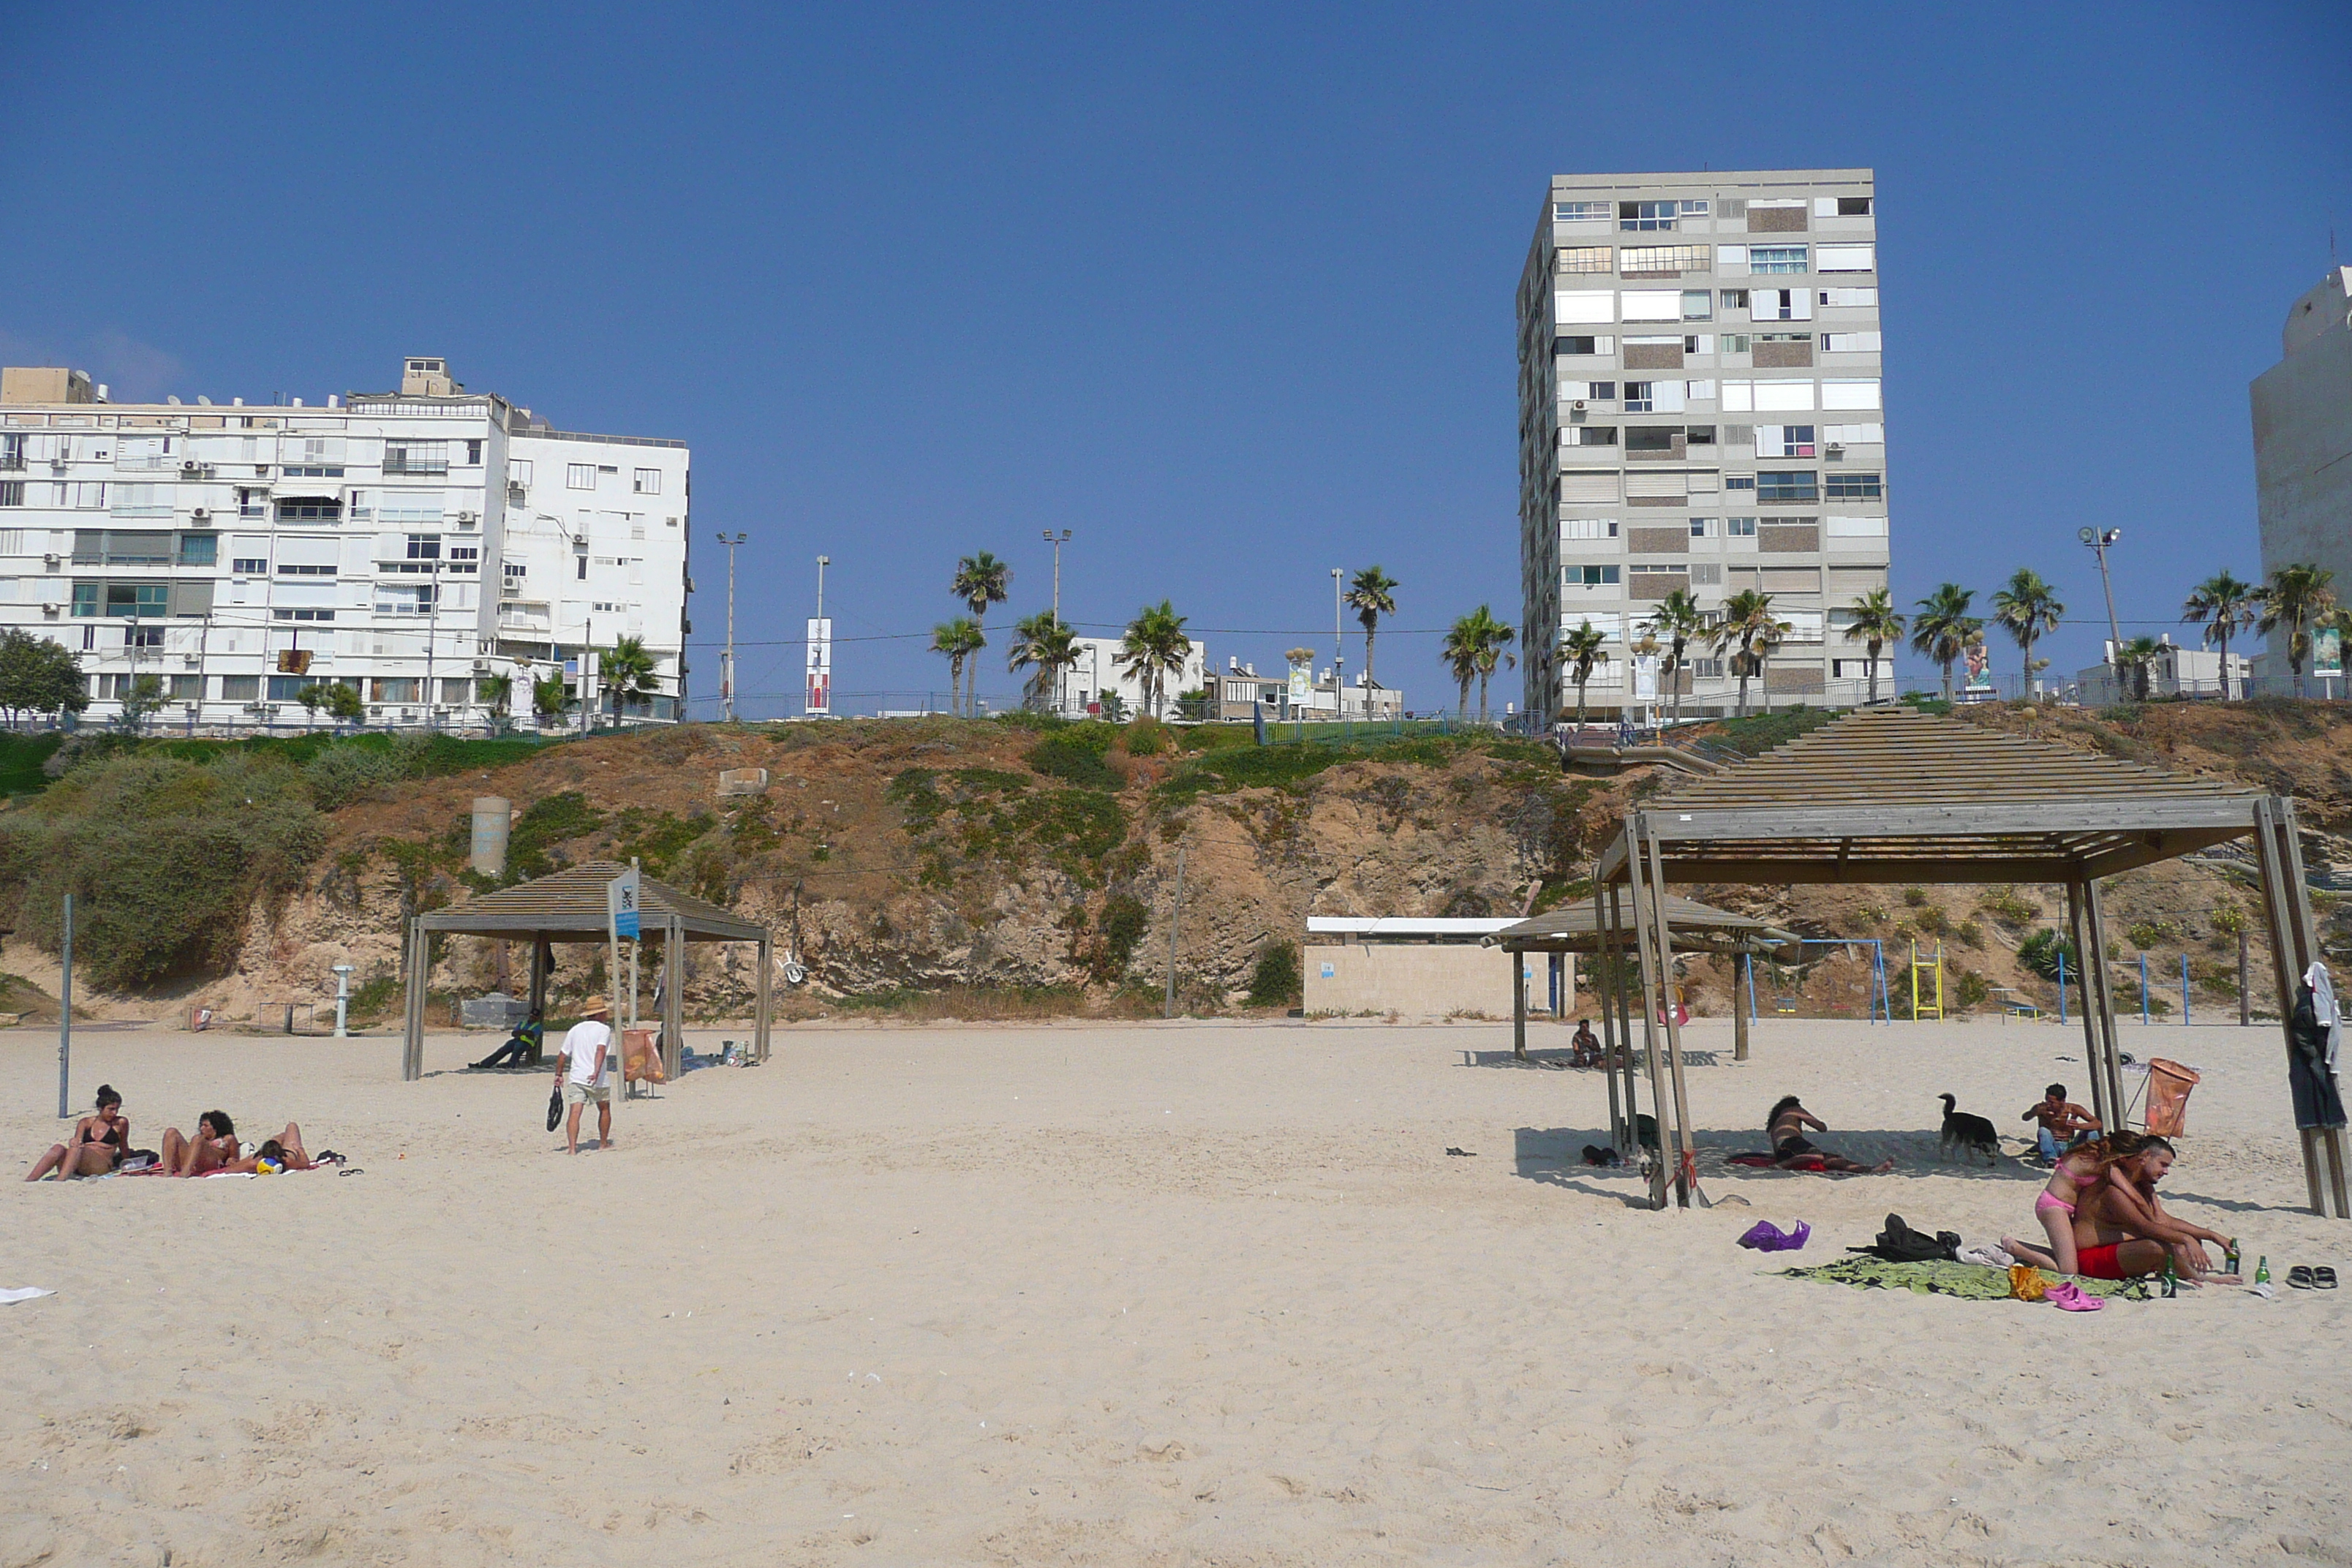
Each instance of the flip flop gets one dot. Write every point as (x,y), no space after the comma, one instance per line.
(352,1170)
(2070,1297)
(2299,1277)
(2323,1278)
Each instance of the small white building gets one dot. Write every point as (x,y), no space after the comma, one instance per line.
(410,544)
(1097,669)
(2176,671)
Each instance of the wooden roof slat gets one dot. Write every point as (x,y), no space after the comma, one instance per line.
(570,906)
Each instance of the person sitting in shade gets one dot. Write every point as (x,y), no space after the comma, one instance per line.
(522,1047)
(1584,1046)
(1791,1151)
(2063,1124)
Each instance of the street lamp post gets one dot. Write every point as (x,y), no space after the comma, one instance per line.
(1057,540)
(727,679)
(2097,540)
(820,629)
(1339,646)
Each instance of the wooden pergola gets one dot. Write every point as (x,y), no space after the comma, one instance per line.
(1578,928)
(570,906)
(1893,795)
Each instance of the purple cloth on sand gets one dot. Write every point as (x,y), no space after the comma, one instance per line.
(1766,1236)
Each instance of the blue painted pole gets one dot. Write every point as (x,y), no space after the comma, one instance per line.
(2061,986)
(2184,990)
(2142,990)
(1749,959)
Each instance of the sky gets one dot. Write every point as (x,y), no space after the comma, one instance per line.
(1226,290)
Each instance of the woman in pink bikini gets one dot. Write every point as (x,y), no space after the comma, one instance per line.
(2077,1172)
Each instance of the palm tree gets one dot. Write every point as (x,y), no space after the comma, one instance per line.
(1677,620)
(2133,659)
(1459,653)
(1045,646)
(2293,600)
(549,699)
(958,640)
(2224,606)
(1748,632)
(629,673)
(980,581)
(498,692)
(1369,592)
(1494,637)
(1155,645)
(1583,650)
(1875,623)
(2027,608)
(1943,628)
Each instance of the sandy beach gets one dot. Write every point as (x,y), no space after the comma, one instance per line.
(1186,1294)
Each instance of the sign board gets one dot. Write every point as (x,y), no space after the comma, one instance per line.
(1646,677)
(819,697)
(1302,684)
(2327,653)
(621,904)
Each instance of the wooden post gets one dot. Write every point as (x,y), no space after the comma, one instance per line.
(1518,1005)
(2096,964)
(1740,1003)
(2090,1006)
(674,999)
(412,1041)
(1650,994)
(2294,947)
(1608,1016)
(2246,999)
(1620,908)
(1685,1169)
(761,1015)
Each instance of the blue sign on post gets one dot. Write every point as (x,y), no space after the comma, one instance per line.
(621,900)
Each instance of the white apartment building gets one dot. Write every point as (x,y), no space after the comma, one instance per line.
(2303,429)
(1700,408)
(1096,669)
(407,543)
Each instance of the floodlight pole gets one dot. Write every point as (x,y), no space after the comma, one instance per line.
(2098,540)
(727,684)
(1338,647)
(1057,540)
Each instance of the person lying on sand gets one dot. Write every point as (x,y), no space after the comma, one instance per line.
(1785,1128)
(96,1146)
(2122,1230)
(214,1146)
(283,1152)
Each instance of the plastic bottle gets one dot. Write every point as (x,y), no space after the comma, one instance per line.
(2263,1271)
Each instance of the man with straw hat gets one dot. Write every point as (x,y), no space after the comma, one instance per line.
(583,1072)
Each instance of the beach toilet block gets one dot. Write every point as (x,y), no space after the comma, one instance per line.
(492,815)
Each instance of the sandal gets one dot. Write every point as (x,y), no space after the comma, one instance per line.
(2323,1278)
(2299,1277)
(2069,1297)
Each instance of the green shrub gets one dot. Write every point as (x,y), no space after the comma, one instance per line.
(1146,737)
(1075,754)
(2040,952)
(341,774)
(545,823)
(1121,926)
(1275,981)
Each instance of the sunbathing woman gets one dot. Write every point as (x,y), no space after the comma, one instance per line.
(214,1146)
(2077,1172)
(283,1152)
(1785,1129)
(97,1144)
(2122,1230)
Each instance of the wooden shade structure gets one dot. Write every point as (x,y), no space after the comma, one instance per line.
(1581,928)
(570,906)
(1892,795)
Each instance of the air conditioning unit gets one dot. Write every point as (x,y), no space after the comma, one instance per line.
(51,561)
(199,515)
(466,520)
(53,611)
(194,659)
(191,470)
(1578,406)
(60,466)
(481,666)
(1833,453)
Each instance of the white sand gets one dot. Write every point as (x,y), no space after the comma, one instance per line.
(1188,1294)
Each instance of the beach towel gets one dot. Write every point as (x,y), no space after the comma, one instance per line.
(23,1293)
(1966,1281)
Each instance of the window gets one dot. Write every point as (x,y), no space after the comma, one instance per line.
(1740,482)
(1766,397)
(283,614)
(1780,305)
(1853,486)
(1588,576)
(1739,527)
(1854,435)
(1776,258)
(519,471)
(395,688)
(252,503)
(1584,259)
(1585,345)
(464,558)
(580,560)
(1589,435)
(1784,488)
(580,476)
(1706,669)
(1847,258)
(12,451)
(1649,216)
(516,571)
(287,688)
(304,569)
(1785,441)
(310,509)
(199,549)
(473,454)
(455,692)
(1850,394)
(1643,260)
(1579,212)
(1698,305)
(1849,342)
(1699,343)
(1701,527)
(1736,342)
(1652,438)
(141,501)
(404,598)
(138,599)
(416,457)
(187,688)
(649,482)
(12,492)
(250,566)
(1584,305)
(313,471)
(424,547)
(1587,391)
(240,689)
(85,596)
(1651,305)
(143,637)
(1588,528)
(1851,299)
(1732,298)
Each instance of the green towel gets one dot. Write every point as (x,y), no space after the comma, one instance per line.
(1971,1280)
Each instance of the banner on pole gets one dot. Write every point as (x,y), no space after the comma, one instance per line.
(621,903)
(820,666)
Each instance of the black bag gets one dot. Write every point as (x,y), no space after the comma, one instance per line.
(1898,1243)
(554,1107)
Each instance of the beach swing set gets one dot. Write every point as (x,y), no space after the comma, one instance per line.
(1894,796)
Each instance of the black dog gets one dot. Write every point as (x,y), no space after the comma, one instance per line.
(1969,1132)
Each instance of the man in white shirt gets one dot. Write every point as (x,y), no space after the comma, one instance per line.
(583,1071)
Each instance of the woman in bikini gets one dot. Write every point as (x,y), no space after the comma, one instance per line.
(1791,1151)
(97,1144)
(2077,1172)
(2121,1228)
(283,1152)
(213,1148)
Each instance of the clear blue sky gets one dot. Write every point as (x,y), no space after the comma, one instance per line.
(1226,289)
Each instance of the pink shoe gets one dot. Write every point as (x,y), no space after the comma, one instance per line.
(2070,1297)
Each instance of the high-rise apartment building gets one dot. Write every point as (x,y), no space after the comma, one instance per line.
(2303,430)
(1700,409)
(410,544)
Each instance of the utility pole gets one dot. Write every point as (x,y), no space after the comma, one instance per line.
(65,1013)
(432,619)
(1057,540)
(1338,648)
(822,563)
(727,676)
(2098,540)
(1175,920)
